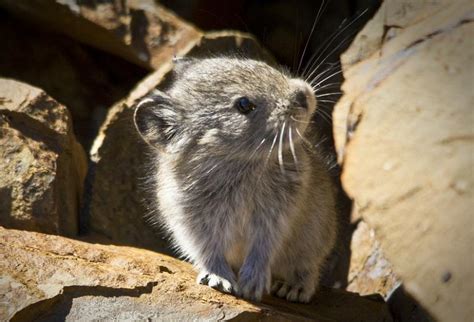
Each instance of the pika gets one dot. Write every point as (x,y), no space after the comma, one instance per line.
(243,192)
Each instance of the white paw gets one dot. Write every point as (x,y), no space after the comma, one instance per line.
(217,282)
(293,293)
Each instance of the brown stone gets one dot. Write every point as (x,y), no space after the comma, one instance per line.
(42,167)
(117,208)
(404,134)
(140,31)
(370,271)
(86,80)
(46,277)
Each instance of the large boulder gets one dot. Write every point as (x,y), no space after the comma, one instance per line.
(45,277)
(42,167)
(116,203)
(404,133)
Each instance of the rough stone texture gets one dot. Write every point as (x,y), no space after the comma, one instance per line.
(116,207)
(140,31)
(404,134)
(370,272)
(42,167)
(45,277)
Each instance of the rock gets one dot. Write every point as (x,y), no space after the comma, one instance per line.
(370,272)
(84,79)
(117,204)
(404,135)
(140,31)
(45,277)
(42,167)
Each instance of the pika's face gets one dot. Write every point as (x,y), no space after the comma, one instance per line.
(233,105)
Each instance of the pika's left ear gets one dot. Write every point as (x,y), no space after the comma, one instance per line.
(156,119)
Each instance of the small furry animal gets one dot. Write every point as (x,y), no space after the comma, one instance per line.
(246,197)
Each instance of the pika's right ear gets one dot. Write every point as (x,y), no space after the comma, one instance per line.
(156,119)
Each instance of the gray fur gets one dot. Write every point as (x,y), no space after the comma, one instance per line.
(244,204)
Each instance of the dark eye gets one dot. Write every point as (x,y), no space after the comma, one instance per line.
(244,105)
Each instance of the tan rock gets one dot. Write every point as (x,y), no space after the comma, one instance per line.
(45,277)
(370,272)
(42,167)
(404,135)
(118,202)
(140,31)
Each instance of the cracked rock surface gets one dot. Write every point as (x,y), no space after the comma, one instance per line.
(404,133)
(46,277)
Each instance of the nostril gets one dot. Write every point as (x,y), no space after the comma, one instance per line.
(300,100)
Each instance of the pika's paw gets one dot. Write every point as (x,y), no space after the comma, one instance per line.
(252,285)
(293,293)
(226,285)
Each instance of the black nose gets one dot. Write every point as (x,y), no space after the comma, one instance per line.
(300,100)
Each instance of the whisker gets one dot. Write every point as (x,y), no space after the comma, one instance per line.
(332,38)
(310,34)
(324,139)
(342,43)
(258,146)
(328,94)
(324,113)
(300,121)
(280,148)
(249,162)
(327,86)
(332,67)
(292,147)
(330,76)
(328,101)
(302,137)
(271,149)
(326,72)
(324,116)
(268,155)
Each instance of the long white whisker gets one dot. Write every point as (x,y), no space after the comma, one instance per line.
(309,144)
(324,46)
(280,148)
(292,147)
(271,149)
(300,121)
(325,79)
(258,146)
(328,94)
(249,162)
(268,156)
(324,73)
(332,38)
(342,43)
(310,34)
(318,89)
(328,101)
(324,116)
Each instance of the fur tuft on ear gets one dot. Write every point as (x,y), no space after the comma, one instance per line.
(156,119)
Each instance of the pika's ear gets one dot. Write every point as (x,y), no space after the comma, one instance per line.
(156,119)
